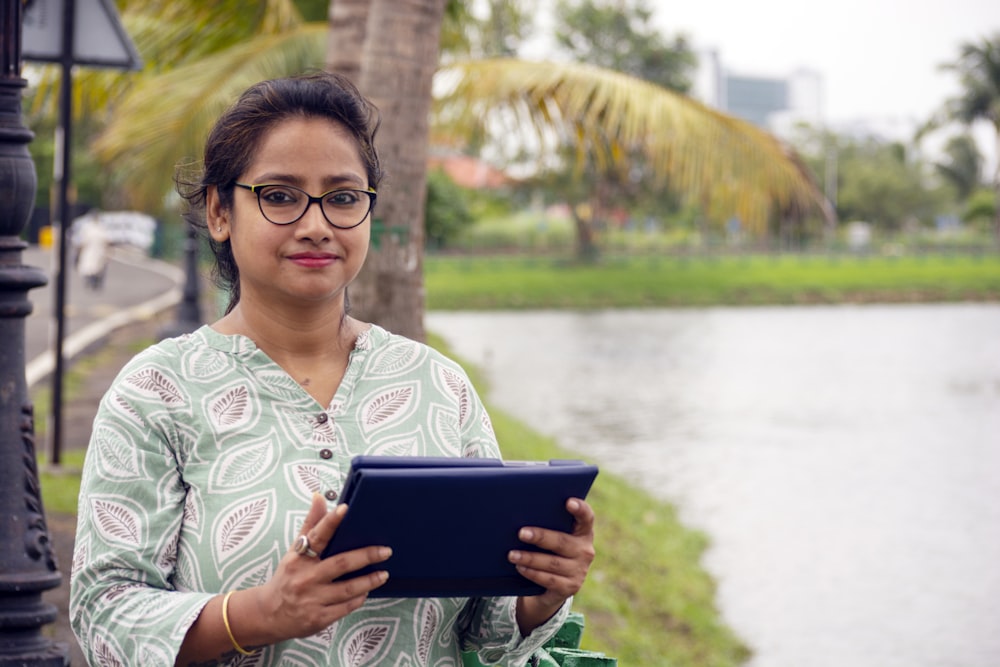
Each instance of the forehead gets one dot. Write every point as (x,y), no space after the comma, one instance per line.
(307,143)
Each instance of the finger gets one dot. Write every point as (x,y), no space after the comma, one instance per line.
(584,515)
(317,509)
(555,541)
(554,583)
(346,562)
(359,586)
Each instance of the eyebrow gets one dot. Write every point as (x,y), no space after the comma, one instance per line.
(334,181)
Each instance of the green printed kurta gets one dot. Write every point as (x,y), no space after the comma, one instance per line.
(200,470)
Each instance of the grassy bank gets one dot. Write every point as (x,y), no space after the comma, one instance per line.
(506,282)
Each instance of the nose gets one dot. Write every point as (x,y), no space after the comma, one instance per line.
(313,225)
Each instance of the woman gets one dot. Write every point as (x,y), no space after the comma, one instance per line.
(215,451)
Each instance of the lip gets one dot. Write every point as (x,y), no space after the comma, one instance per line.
(313,259)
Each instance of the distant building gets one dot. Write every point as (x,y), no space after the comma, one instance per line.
(469,172)
(773,103)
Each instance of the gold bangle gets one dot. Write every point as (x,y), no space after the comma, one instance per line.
(229,630)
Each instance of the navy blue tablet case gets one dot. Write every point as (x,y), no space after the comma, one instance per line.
(452,521)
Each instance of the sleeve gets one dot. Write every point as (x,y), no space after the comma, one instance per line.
(488,626)
(124,608)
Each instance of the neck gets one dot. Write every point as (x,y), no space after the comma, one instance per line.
(293,334)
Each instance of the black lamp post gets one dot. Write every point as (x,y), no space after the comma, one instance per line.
(188,310)
(27,563)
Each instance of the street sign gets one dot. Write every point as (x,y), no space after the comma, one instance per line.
(99,40)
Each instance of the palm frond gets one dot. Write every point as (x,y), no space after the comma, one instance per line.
(708,156)
(164,120)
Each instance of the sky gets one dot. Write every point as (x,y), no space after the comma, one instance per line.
(879,59)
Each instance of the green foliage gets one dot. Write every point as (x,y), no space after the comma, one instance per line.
(510,282)
(876,181)
(447,210)
(621,36)
(500,33)
(962,165)
(978,68)
(981,207)
(88,180)
(61,486)
(313,10)
(525,231)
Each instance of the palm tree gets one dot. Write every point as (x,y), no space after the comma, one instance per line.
(978,67)
(724,163)
(397,73)
(164,113)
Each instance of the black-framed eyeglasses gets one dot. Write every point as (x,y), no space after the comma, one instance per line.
(285,204)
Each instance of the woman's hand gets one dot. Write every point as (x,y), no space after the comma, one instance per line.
(302,597)
(561,572)
(299,600)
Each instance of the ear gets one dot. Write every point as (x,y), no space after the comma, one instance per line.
(216,216)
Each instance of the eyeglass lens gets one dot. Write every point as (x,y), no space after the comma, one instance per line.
(285,204)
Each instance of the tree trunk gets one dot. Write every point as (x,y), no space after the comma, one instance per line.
(398,62)
(996,187)
(348,23)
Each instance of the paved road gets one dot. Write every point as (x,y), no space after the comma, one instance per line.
(135,287)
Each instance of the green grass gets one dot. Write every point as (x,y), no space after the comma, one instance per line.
(61,485)
(510,282)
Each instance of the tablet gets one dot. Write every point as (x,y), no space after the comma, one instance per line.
(452,521)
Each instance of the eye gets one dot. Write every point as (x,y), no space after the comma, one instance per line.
(279,195)
(342,198)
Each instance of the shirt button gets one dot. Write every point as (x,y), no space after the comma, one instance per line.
(321,418)
(326,454)
(331,494)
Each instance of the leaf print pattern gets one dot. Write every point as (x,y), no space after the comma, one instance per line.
(446,433)
(282,385)
(394,359)
(118,456)
(115,522)
(241,465)
(368,641)
(187,575)
(122,407)
(205,366)
(256,572)
(192,512)
(409,445)
(427,620)
(457,387)
(239,525)
(152,381)
(326,636)
(296,659)
(153,655)
(166,558)
(388,406)
(108,653)
(307,477)
(232,409)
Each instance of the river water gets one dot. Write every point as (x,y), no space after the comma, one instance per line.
(844,460)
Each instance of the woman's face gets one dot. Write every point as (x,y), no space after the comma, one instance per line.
(308,261)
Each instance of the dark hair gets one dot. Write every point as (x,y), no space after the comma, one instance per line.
(234,140)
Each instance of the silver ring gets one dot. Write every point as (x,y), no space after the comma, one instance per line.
(302,548)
